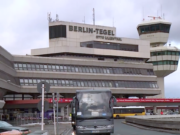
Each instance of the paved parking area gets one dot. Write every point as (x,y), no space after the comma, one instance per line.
(50,128)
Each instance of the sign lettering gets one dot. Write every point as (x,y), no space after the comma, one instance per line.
(109,38)
(91,30)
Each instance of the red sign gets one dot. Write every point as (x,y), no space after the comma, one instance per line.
(62,100)
(147,100)
(119,100)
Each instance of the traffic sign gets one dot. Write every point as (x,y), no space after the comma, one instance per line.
(46,105)
(46,86)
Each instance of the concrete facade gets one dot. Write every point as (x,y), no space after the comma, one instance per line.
(69,66)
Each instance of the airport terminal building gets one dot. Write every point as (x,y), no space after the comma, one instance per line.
(80,56)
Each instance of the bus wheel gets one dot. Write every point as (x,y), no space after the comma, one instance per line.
(117,116)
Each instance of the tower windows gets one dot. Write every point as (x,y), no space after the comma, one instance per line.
(154,28)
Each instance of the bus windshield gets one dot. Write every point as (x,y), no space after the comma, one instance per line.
(94,105)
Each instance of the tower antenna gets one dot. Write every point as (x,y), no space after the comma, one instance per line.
(57,18)
(49,17)
(93,16)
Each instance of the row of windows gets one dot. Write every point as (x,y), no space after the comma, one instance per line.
(165,53)
(82,69)
(90,83)
(154,28)
(111,46)
(134,60)
(128,110)
(166,62)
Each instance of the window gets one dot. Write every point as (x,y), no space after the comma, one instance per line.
(89,83)
(74,83)
(67,82)
(78,84)
(65,68)
(117,111)
(69,68)
(87,69)
(25,80)
(85,83)
(94,70)
(58,31)
(169,53)
(90,69)
(63,83)
(82,83)
(76,69)
(21,80)
(83,69)
(80,70)
(33,67)
(116,84)
(24,66)
(61,68)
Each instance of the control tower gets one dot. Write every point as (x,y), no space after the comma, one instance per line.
(163,57)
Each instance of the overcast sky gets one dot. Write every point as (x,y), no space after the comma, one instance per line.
(24,26)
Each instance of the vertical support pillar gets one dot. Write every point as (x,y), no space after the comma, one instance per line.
(154,109)
(179,109)
(62,111)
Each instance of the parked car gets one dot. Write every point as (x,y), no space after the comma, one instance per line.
(13,132)
(4,127)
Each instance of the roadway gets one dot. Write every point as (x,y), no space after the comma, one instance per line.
(123,129)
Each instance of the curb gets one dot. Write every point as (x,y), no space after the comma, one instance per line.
(153,129)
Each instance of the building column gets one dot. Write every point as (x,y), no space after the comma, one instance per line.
(62,111)
(160,82)
(154,109)
(179,109)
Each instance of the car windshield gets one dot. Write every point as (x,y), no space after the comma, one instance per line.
(4,124)
(94,105)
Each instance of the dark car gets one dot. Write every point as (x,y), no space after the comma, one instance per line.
(4,126)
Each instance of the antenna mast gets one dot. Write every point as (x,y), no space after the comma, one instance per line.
(57,18)
(93,16)
(49,17)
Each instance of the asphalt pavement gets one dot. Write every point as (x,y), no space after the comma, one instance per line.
(124,129)
(50,128)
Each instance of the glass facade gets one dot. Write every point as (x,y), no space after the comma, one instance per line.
(82,69)
(165,62)
(17,97)
(165,53)
(89,83)
(154,28)
(108,45)
(57,31)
